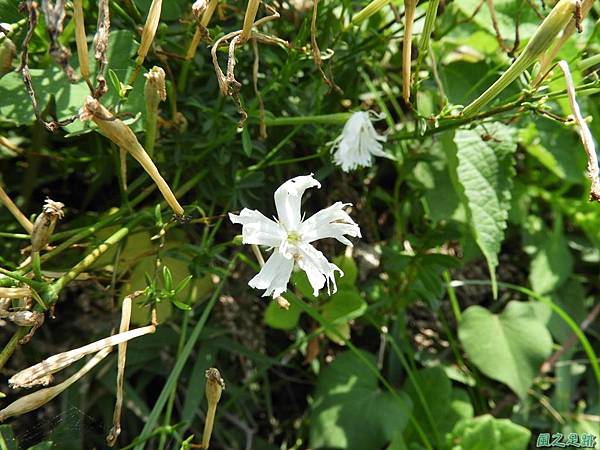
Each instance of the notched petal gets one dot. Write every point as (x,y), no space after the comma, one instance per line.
(274,275)
(258,229)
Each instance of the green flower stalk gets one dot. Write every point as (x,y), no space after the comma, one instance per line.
(148,34)
(368,11)
(574,23)
(543,38)
(154,93)
(410,7)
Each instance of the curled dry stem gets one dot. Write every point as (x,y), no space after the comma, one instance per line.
(593,172)
(228,85)
(53,125)
(101,46)
(316,53)
(115,431)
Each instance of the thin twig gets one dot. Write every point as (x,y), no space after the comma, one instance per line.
(316,53)
(587,140)
(261,103)
(551,361)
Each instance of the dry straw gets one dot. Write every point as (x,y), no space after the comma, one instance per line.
(39,398)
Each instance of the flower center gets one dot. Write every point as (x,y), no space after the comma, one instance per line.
(293,237)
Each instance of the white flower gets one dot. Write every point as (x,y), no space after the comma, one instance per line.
(290,236)
(358,143)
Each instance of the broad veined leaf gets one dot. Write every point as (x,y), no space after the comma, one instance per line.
(485,170)
(507,347)
(351,411)
(488,433)
(52,83)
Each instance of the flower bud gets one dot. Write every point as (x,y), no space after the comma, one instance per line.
(214,385)
(198,8)
(44,224)
(155,90)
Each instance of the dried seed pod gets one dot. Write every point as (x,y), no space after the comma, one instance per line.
(124,137)
(8,51)
(81,41)
(39,398)
(26,318)
(14,292)
(44,224)
(155,90)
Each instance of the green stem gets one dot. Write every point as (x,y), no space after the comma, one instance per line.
(430,16)
(150,138)
(171,401)
(335,119)
(181,361)
(85,263)
(452,296)
(9,348)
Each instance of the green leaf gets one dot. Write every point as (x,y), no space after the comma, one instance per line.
(345,305)
(181,305)
(485,171)
(51,83)
(350,411)
(281,319)
(349,268)
(509,347)
(488,433)
(7,438)
(246,142)
(552,263)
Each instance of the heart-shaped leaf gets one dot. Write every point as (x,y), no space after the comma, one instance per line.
(509,347)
